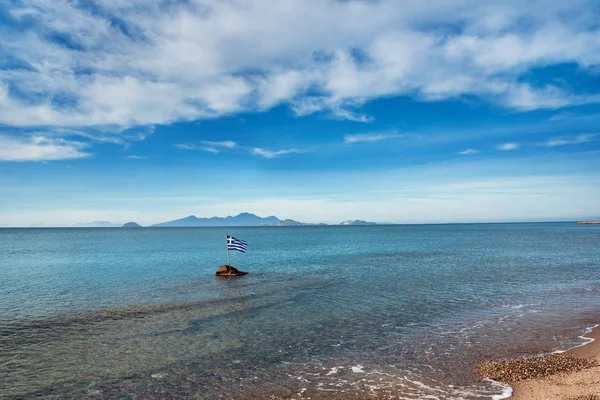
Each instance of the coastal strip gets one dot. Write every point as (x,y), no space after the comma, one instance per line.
(589,222)
(570,375)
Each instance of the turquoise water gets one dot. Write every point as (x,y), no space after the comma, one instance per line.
(326,312)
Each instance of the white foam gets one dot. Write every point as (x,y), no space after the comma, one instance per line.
(583,337)
(423,385)
(358,369)
(506,393)
(333,371)
(589,339)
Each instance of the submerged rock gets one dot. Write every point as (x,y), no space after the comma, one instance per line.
(229,271)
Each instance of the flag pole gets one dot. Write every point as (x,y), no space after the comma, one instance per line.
(227,245)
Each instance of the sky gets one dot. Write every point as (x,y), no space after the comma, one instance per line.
(398,111)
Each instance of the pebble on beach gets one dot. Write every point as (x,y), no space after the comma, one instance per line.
(533,368)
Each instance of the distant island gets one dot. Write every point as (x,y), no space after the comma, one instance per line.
(291,222)
(97,224)
(243,219)
(357,222)
(131,225)
(589,222)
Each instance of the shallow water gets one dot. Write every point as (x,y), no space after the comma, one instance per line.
(327,312)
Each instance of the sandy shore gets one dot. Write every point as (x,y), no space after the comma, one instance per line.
(574,385)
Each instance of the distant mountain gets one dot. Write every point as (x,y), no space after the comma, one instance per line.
(97,224)
(243,219)
(357,222)
(291,222)
(288,222)
(131,225)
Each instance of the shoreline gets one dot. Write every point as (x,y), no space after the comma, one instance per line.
(584,384)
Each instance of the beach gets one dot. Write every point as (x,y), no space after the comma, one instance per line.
(569,375)
(583,384)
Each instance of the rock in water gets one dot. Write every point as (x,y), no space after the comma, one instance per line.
(229,271)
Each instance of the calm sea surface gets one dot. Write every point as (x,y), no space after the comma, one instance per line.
(326,313)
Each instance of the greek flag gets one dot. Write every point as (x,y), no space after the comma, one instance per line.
(236,244)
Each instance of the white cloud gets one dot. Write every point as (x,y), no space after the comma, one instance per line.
(583,138)
(228,144)
(185,146)
(216,147)
(213,150)
(272,154)
(369,137)
(134,157)
(39,148)
(507,146)
(178,61)
(211,147)
(526,98)
(349,115)
(468,152)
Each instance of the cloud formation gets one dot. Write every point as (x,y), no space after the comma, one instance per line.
(228,144)
(369,137)
(272,154)
(468,152)
(39,148)
(583,138)
(138,63)
(215,147)
(507,146)
(211,147)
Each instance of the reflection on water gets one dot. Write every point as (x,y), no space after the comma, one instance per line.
(370,317)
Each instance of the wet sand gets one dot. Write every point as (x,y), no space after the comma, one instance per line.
(582,385)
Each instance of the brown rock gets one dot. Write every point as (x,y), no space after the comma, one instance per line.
(229,271)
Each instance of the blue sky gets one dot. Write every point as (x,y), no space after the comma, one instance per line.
(316,110)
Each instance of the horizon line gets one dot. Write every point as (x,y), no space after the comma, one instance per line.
(313,225)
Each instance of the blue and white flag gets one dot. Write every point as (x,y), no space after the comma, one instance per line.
(236,244)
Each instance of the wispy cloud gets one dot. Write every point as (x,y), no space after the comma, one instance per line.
(561,116)
(583,138)
(39,148)
(211,147)
(369,137)
(227,144)
(404,198)
(272,154)
(342,113)
(134,157)
(468,152)
(507,146)
(185,146)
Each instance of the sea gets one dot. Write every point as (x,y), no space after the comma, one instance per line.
(327,312)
